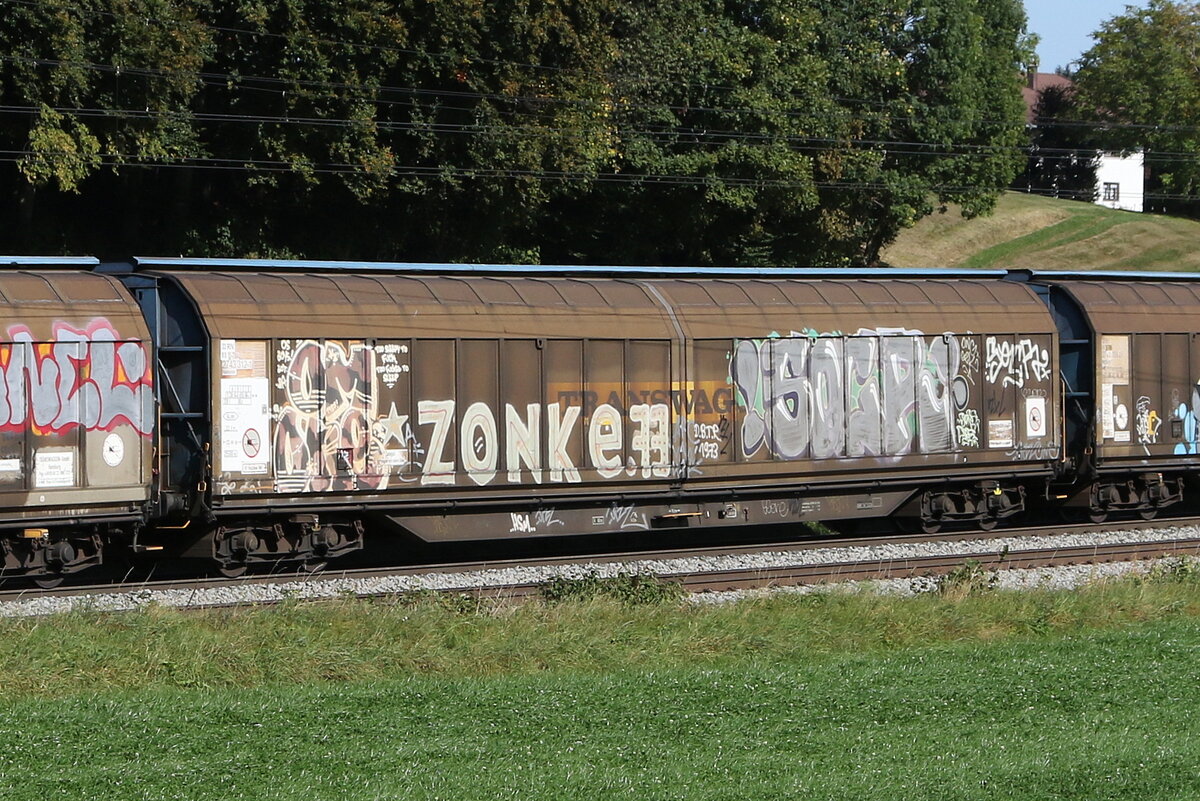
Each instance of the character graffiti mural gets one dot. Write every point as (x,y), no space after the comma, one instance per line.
(1189,425)
(325,433)
(1146,423)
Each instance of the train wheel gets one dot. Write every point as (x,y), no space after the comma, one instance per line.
(234,570)
(989,523)
(1148,514)
(313,565)
(1097,515)
(49,581)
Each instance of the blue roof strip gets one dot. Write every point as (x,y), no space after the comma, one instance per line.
(48,261)
(1116,275)
(419,268)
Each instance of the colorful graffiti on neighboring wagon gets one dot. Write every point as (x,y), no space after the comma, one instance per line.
(339,415)
(83,379)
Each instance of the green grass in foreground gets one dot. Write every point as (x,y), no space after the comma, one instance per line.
(1040,695)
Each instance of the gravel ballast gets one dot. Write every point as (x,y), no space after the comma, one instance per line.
(318,587)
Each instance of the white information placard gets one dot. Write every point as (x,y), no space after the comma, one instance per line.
(245,407)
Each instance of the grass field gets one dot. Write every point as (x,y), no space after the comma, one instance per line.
(1028,231)
(959,695)
(1102,716)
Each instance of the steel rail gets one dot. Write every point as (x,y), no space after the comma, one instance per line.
(797,573)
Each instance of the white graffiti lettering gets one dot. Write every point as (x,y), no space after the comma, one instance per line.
(439,414)
(651,439)
(604,437)
(558,433)
(625,517)
(479,454)
(1015,362)
(523,443)
(967,428)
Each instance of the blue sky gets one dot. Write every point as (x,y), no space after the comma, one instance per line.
(1066,26)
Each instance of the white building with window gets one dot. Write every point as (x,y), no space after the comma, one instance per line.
(1121,181)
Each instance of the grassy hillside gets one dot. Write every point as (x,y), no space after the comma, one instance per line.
(1043,233)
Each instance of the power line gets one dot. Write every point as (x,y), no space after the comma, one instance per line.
(452,58)
(371,93)
(458,59)
(233,82)
(717,135)
(558,176)
(677,136)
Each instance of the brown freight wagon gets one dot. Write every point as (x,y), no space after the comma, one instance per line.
(303,402)
(77,414)
(1131,359)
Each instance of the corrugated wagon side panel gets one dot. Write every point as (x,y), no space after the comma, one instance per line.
(76,394)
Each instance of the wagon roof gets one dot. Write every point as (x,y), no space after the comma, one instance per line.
(40,299)
(1130,308)
(375,305)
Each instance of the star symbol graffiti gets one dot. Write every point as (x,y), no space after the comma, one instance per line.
(391,427)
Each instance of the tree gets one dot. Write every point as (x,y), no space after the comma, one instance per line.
(814,131)
(731,132)
(1063,154)
(1140,82)
(939,79)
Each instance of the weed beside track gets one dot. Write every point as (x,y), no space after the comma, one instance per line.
(587,625)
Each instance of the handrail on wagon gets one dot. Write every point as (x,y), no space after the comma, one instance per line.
(139,263)
(75,262)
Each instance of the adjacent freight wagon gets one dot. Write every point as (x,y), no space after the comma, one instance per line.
(1131,362)
(255,411)
(77,415)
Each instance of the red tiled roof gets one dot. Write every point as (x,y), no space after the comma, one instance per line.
(1035,84)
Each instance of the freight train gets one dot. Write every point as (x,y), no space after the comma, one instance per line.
(264,411)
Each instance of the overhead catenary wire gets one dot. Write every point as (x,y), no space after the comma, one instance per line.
(893,146)
(458,59)
(466,173)
(373,93)
(793,143)
(223,80)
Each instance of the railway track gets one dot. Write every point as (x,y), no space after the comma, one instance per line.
(932,565)
(772,564)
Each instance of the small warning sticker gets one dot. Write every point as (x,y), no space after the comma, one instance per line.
(251,442)
(1035,417)
(1000,433)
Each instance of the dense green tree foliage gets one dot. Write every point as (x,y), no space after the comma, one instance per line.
(1141,83)
(1064,153)
(663,132)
